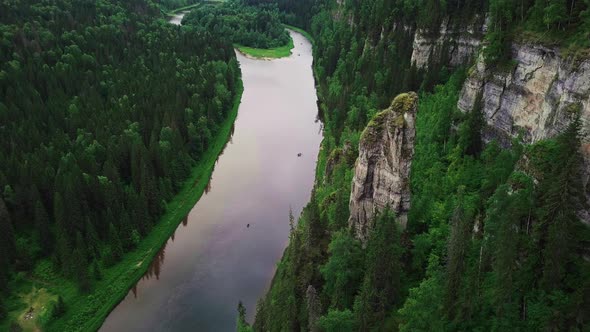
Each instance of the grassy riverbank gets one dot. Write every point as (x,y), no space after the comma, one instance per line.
(87,312)
(301,31)
(193,6)
(181,9)
(277,52)
(272,53)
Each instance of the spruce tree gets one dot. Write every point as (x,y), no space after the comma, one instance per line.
(115,242)
(243,325)
(561,199)
(63,244)
(457,248)
(7,244)
(42,228)
(380,290)
(60,307)
(80,258)
(2,309)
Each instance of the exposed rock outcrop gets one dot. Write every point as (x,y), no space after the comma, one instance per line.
(382,170)
(454,45)
(535,99)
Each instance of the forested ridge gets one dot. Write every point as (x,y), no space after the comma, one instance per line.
(493,240)
(105,108)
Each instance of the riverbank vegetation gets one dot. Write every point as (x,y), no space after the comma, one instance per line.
(173,6)
(277,52)
(106,111)
(255,30)
(491,243)
(556,22)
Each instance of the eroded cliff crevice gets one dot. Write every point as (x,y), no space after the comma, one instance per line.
(454,44)
(382,171)
(537,98)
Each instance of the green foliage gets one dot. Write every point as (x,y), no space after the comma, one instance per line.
(338,321)
(169,5)
(254,27)
(60,307)
(485,244)
(277,52)
(558,21)
(344,270)
(380,290)
(99,104)
(243,326)
(423,309)
(7,245)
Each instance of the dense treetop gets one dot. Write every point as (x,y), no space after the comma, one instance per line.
(250,26)
(104,109)
(493,243)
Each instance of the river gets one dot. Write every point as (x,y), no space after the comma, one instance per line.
(214,260)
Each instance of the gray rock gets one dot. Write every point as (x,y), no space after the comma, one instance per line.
(459,44)
(535,99)
(382,170)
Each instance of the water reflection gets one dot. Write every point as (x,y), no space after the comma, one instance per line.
(215,260)
(153,270)
(208,186)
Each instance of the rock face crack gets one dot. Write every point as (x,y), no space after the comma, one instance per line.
(500,100)
(382,170)
(534,101)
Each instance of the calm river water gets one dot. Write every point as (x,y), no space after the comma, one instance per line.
(214,260)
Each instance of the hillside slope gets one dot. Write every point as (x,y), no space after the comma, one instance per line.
(495,237)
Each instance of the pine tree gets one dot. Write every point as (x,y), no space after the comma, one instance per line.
(96,274)
(338,321)
(506,226)
(115,242)
(555,13)
(380,290)
(42,228)
(81,265)
(2,309)
(344,270)
(561,198)
(7,244)
(92,240)
(60,307)
(457,248)
(243,325)
(62,243)
(471,130)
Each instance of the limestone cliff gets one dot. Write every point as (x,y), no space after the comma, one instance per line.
(536,99)
(382,170)
(455,45)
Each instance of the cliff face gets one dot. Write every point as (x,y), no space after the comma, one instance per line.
(382,170)
(455,45)
(536,99)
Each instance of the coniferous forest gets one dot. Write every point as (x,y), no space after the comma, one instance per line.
(258,27)
(106,110)
(493,242)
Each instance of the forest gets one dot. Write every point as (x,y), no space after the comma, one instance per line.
(105,109)
(257,27)
(493,241)
(169,5)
